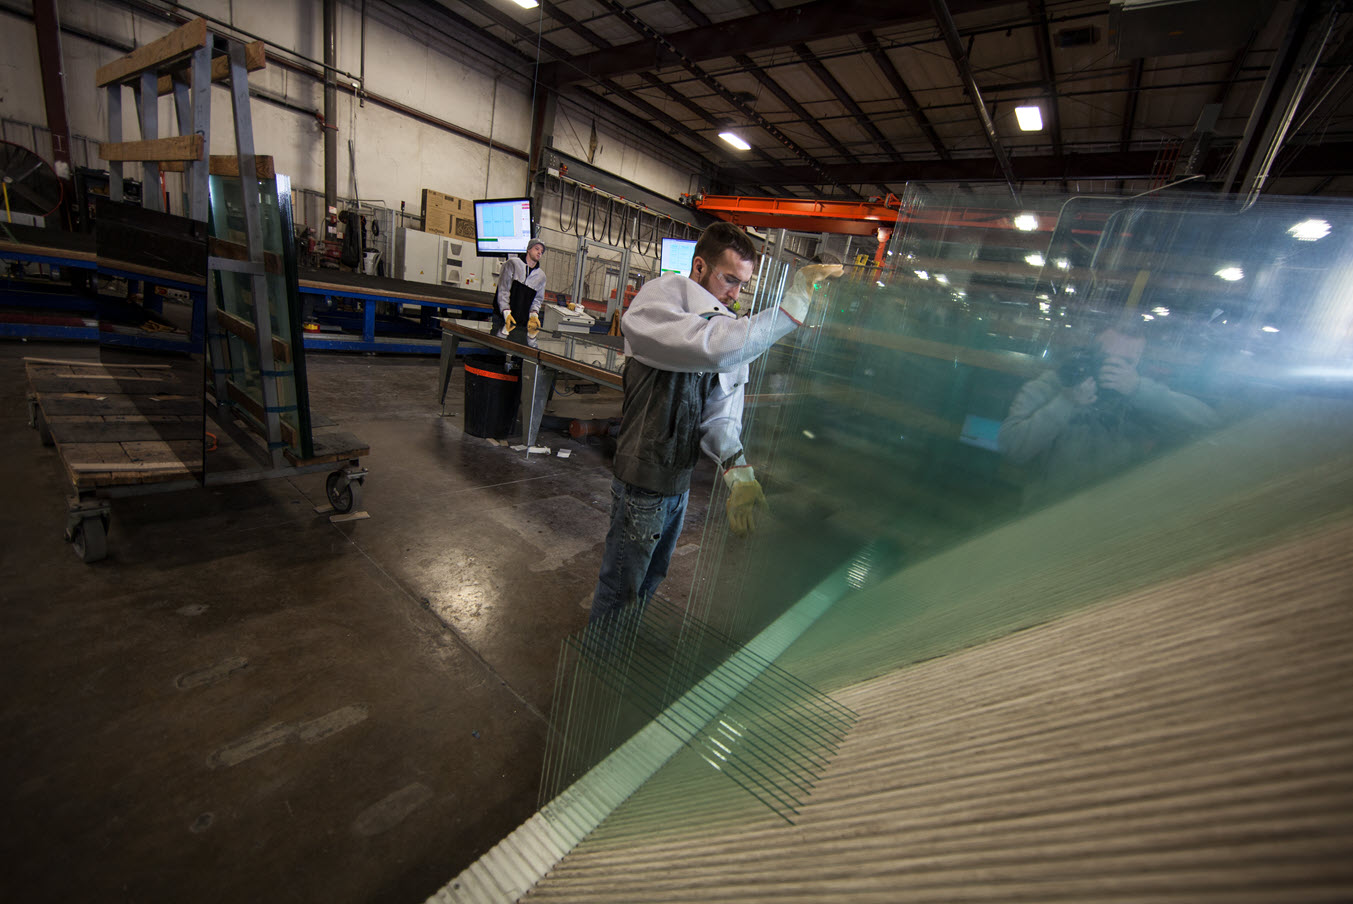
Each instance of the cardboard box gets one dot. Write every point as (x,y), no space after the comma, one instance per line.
(456,206)
(447,215)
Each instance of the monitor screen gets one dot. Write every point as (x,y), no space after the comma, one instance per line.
(502,226)
(676,256)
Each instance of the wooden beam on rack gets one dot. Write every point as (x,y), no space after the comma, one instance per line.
(172,47)
(255,58)
(238,326)
(229,165)
(250,404)
(179,147)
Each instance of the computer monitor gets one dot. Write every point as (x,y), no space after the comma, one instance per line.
(502,226)
(677,255)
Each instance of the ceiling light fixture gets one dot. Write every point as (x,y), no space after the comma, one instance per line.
(1310,230)
(526,4)
(1231,274)
(1035,260)
(1026,222)
(1030,118)
(735,140)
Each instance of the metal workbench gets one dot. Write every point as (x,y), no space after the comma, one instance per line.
(369,291)
(596,358)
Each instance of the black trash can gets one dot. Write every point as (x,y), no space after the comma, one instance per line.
(491,397)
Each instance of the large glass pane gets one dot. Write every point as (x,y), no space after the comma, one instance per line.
(236,310)
(138,417)
(1023,410)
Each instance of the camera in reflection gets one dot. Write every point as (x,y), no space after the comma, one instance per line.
(1082,363)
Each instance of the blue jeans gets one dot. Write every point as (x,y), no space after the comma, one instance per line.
(639,545)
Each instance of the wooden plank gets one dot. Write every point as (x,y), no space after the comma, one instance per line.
(27,249)
(242,328)
(255,58)
(56,405)
(255,408)
(172,276)
(102,453)
(331,447)
(223,165)
(177,147)
(105,385)
(272,261)
(122,431)
(91,362)
(166,453)
(170,48)
(143,467)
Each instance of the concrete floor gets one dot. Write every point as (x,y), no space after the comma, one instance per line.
(245,702)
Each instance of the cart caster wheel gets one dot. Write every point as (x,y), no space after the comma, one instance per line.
(346,499)
(90,539)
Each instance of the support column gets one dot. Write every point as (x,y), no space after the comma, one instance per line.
(50,61)
(330,105)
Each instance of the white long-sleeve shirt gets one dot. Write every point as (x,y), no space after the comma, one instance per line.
(674,324)
(514,270)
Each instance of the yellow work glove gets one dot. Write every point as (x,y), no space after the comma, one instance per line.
(511,324)
(533,324)
(745,503)
(816,275)
(806,288)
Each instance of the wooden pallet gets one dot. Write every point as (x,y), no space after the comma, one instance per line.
(117,425)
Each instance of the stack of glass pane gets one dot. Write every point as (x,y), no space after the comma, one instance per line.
(233,294)
(1022,410)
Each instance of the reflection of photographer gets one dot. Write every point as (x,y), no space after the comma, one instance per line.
(1094,416)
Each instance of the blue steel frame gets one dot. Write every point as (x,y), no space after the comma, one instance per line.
(369,342)
(197,293)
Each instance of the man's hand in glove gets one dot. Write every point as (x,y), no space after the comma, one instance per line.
(805,289)
(510,323)
(816,275)
(745,503)
(533,324)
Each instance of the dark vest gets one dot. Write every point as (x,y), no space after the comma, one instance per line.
(659,441)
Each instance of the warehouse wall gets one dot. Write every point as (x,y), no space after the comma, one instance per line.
(445,74)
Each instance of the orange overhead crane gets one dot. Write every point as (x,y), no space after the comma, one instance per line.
(875,217)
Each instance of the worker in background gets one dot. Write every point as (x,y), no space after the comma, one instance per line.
(1095,416)
(521,290)
(687,357)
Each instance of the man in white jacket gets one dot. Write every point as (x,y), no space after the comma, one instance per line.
(521,290)
(687,357)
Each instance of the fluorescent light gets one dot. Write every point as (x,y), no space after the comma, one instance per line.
(1309,230)
(880,284)
(1063,263)
(941,279)
(921,274)
(735,140)
(1026,222)
(1069,290)
(1030,118)
(526,4)
(1269,329)
(1231,274)
(1161,311)
(1036,260)
(1148,316)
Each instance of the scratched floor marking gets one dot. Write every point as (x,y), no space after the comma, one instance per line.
(331,724)
(265,739)
(390,811)
(559,528)
(211,674)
